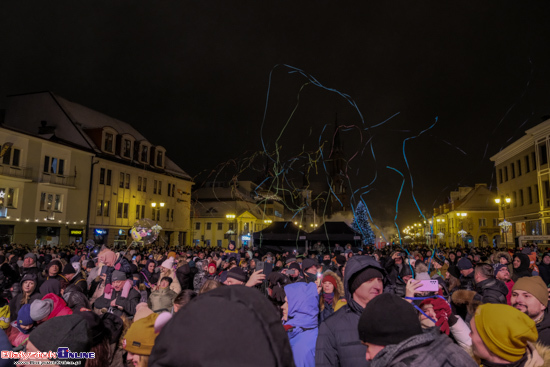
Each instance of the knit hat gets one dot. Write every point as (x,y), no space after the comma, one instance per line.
(290,259)
(422,276)
(453,270)
(380,327)
(308,263)
(52,263)
(331,280)
(464,264)
(40,309)
(24,316)
(68,269)
(498,267)
(340,260)
(28,276)
(140,337)
(172,254)
(118,275)
(213,264)
(505,330)
(70,331)
(534,285)
(168,263)
(238,274)
(31,255)
(364,276)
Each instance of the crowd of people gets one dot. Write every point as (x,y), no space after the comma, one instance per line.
(148,306)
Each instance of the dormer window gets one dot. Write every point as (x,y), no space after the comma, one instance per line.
(108,147)
(160,158)
(126,148)
(144,156)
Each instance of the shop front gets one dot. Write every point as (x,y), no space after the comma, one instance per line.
(121,238)
(76,235)
(101,235)
(47,236)
(6,234)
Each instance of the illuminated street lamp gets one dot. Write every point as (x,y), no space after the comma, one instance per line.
(505,225)
(232,231)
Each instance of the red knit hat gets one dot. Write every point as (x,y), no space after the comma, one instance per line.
(330,279)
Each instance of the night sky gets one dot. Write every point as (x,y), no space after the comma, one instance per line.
(193,76)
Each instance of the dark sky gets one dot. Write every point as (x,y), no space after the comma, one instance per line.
(193,76)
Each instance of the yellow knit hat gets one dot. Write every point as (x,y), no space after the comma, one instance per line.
(140,337)
(505,330)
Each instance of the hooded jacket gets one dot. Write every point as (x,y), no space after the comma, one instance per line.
(543,329)
(303,310)
(338,342)
(326,309)
(200,277)
(523,269)
(162,299)
(492,291)
(215,327)
(59,306)
(427,349)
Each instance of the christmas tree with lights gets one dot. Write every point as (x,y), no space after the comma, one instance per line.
(361,224)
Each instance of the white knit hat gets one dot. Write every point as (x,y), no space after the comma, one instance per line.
(168,263)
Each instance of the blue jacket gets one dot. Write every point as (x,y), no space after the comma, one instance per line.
(303,311)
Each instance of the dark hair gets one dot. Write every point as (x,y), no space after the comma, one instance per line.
(184,297)
(168,279)
(485,270)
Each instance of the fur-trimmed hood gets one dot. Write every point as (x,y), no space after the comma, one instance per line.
(496,257)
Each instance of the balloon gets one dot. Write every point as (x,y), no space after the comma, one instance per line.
(145,230)
(90,244)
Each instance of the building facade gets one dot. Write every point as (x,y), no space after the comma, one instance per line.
(523,174)
(113,175)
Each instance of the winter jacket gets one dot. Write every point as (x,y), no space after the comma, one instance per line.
(15,303)
(303,310)
(128,304)
(200,277)
(427,349)
(523,270)
(543,329)
(75,299)
(60,308)
(544,271)
(162,299)
(492,291)
(395,281)
(327,309)
(338,342)
(536,355)
(467,282)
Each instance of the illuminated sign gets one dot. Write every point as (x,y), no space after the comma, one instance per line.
(245,238)
(100,232)
(75,232)
(121,232)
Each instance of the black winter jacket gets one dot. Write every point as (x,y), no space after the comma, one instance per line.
(492,291)
(338,342)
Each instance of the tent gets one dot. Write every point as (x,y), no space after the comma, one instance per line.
(335,232)
(280,236)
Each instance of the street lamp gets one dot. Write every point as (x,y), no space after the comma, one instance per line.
(505,225)
(231,217)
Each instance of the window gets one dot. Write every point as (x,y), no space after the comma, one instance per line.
(513,170)
(520,194)
(105,176)
(108,142)
(106,208)
(127,180)
(519,167)
(122,210)
(482,222)
(126,148)
(530,195)
(144,154)
(108,180)
(159,159)
(11,157)
(121,183)
(219,243)
(500,175)
(160,187)
(547,192)
(54,165)
(527,166)
(168,215)
(169,189)
(102,176)
(208,226)
(139,183)
(197,226)
(51,202)
(8,197)
(99,208)
(144,188)
(515,199)
(537,193)
(171,215)
(140,211)
(505,173)
(220,226)
(155,186)
(543,154)
(495,222)
(231,226)
(533,161)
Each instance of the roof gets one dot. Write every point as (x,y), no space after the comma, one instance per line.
(25,113)
(280,231)
(333,231)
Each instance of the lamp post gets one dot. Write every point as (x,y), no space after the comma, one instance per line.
(156,216)
(231,218)
(462,232)
(505,225)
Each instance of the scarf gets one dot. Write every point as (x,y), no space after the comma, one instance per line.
(329,297)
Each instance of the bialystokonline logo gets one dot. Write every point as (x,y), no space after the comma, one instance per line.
(62,353)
